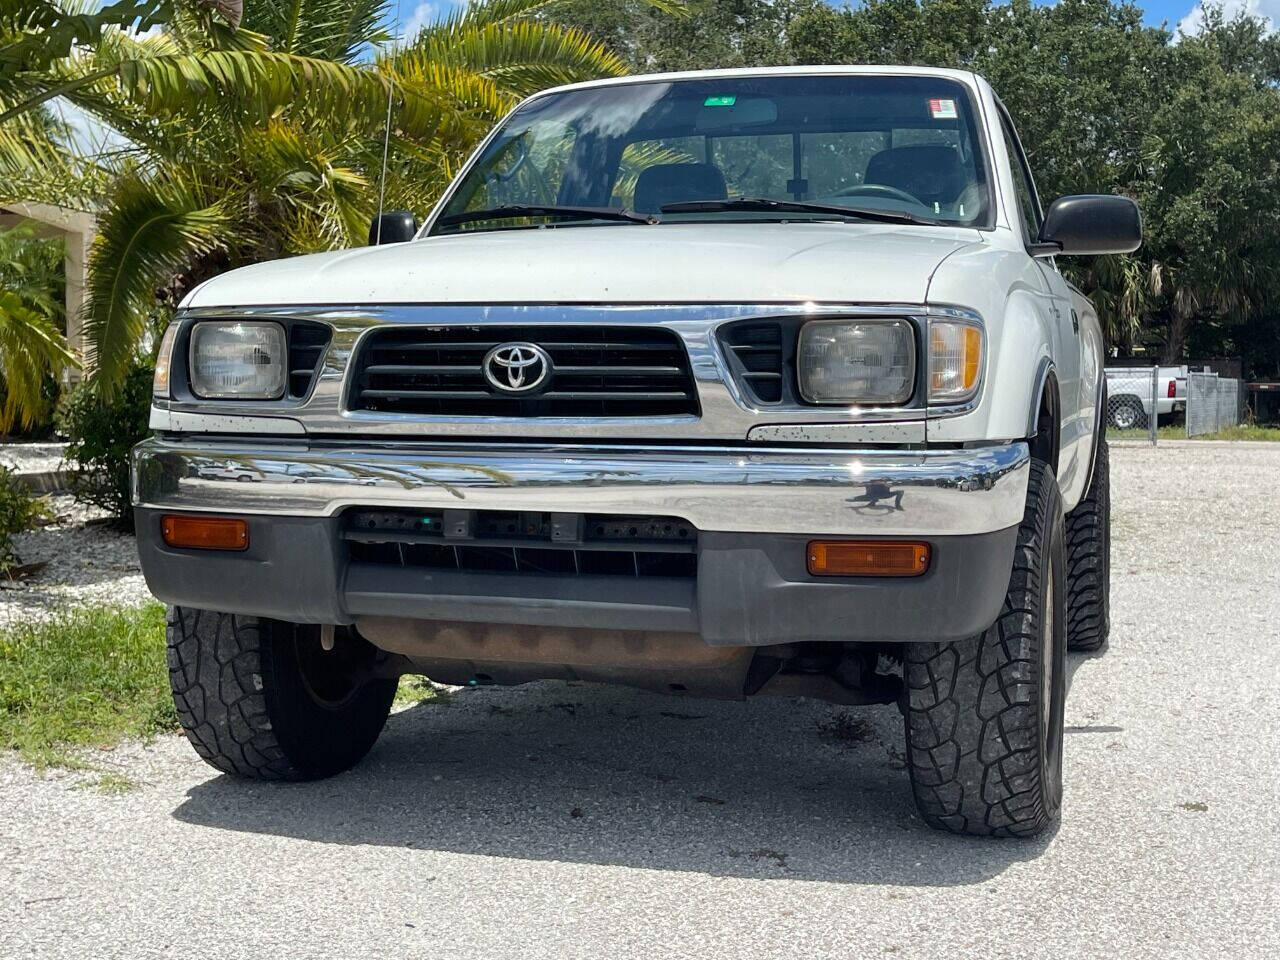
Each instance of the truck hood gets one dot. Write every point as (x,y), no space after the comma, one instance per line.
(667,263)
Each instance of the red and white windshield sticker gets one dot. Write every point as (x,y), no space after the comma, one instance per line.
(943,109)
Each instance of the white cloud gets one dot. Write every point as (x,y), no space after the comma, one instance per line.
(426,13)
(1269,10)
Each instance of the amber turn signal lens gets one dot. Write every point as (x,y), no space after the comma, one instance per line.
(867,558)
(205,533)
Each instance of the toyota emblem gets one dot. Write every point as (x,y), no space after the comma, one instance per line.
(517,367)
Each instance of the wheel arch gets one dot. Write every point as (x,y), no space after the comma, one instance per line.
(1044,420)
(1099,433)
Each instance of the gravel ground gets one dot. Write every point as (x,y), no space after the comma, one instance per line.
(31,457)
(559,820)
(88,564)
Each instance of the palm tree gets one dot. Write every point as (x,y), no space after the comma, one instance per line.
(32,349)
(241,144)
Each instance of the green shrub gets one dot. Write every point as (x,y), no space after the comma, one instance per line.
(100,433)
(19,511)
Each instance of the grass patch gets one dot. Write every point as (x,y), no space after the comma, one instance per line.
(1245,432)
(1170,431)
(88,679)
(415,689)
(1177,431)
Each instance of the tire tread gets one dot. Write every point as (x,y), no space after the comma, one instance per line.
(1088,542)
(973,706)
(217,674)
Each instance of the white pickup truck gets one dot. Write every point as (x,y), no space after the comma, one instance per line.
(1131,394)
(738,383)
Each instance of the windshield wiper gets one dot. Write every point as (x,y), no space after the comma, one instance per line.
(795,206)
(534,210)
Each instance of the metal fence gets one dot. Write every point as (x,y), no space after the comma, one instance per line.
(1132,405)
(1213,403)
(1141,399)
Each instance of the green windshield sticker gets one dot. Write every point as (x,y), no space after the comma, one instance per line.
(720,101)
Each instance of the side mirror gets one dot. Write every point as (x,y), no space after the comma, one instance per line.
(1090,224)
(396,226)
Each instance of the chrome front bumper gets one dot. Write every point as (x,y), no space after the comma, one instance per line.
(874,492)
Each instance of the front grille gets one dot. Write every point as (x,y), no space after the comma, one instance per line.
(599,371)
(493,541)
(307,342)
(756,349)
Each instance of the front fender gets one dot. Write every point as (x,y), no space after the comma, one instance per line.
(1020,344)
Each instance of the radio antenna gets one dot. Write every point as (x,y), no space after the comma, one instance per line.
(386,141)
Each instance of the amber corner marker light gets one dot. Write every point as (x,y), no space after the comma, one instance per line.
(205,533)
(867,558)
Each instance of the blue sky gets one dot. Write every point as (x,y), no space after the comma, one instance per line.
(415,13)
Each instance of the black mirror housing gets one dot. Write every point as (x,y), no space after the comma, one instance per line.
(395,226)
(1091,224)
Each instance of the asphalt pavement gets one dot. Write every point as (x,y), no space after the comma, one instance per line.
(564,821)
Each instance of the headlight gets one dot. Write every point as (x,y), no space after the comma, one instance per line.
(243,361)
(955,360)
(164,362)
(850,361)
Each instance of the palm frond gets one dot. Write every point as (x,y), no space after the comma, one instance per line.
(328,29)
(31,266)
(27,143)
(260,82)
(31,349)
(505,11)
(327,204)
(419,74)
(152,229)
(520,57)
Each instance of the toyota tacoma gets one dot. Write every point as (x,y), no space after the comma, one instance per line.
(727,384)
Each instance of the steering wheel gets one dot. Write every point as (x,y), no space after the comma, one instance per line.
(521,147)
(878,190)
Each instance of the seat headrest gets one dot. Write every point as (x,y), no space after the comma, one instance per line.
(932,172)
(666,183)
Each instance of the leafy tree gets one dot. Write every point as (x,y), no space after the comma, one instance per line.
(1211,184)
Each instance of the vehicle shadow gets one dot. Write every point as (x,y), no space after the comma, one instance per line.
(598,775)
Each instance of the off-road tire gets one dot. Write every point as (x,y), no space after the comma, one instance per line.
(1088,532)
(984,714)
(246,693)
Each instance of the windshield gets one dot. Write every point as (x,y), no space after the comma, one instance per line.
(906,145)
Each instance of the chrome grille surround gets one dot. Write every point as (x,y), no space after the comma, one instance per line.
(728,409)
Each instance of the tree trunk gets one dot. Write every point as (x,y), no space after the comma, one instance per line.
(1179,325)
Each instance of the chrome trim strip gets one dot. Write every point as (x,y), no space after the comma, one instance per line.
(1037,392)
(727,414)
(172,421)
(899,433)
(839,492)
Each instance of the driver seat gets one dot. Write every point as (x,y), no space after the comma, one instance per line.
(933,173)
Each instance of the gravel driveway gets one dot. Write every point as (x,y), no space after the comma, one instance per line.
(559,820)
(87,564)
